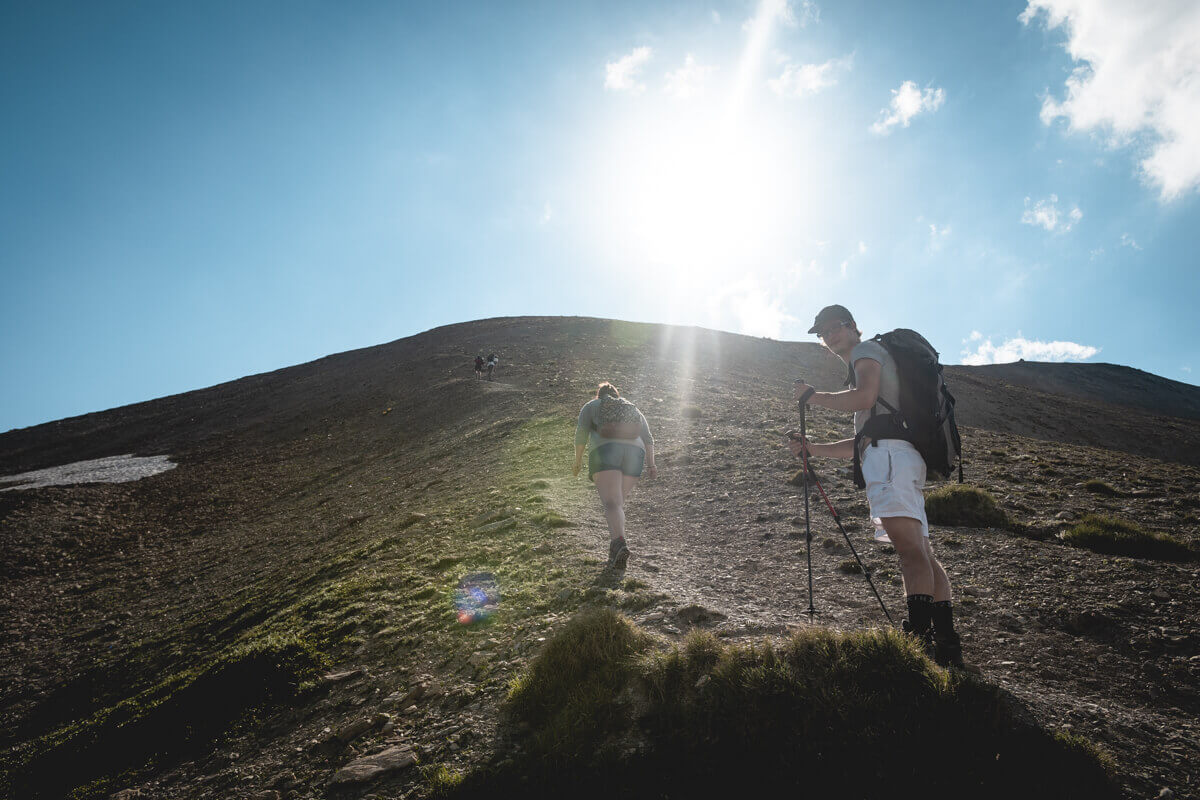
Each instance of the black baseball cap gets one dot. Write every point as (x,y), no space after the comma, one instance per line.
(830,314)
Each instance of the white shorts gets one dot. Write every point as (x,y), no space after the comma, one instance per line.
(895,475)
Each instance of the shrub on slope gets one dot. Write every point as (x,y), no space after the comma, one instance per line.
(824,713)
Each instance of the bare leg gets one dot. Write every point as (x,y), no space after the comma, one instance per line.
(608,486)
(941,581)
(627,484)
(916,559)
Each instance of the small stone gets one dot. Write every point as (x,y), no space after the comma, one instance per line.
(703,681)
(338,677)
(1165,794)
(1161,594)
(349,733)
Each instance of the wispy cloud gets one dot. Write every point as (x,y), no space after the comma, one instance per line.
(937,236)
(798,80)
(547,214)
(689,80)
(623,74)
(1045,213)
(785,12)
(1129,241)
(907,102)
(1136,78)
(979,350)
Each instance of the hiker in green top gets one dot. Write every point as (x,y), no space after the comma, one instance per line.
(894,472)
(620,446)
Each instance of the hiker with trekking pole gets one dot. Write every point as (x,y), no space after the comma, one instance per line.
(904,427)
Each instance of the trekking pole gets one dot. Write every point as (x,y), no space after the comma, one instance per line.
(837,519)
(807,524)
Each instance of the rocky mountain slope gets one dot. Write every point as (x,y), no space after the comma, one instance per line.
(322,516)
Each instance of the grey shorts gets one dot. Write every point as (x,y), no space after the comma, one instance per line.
(628,458)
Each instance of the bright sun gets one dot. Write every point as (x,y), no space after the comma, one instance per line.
(697,197)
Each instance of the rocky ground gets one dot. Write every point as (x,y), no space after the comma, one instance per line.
(344,499)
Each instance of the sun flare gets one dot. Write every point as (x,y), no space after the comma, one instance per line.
(696,197)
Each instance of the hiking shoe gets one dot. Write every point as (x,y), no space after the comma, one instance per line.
(926,639)
(947,650)
(618,554)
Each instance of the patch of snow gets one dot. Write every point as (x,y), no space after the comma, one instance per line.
(113,469)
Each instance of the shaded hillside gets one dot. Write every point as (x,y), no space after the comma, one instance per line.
(1104,383)
(322,516)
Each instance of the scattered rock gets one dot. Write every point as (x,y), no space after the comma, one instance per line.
(339,677)
(703,681)
(498,525)
(698,615)
(370,767)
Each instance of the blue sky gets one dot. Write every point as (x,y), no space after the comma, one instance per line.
(194,192)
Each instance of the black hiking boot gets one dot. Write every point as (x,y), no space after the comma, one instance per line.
(618,554)
(947,650)
(925,639)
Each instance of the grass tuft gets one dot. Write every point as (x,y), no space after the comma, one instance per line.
(1114,536)
(963,505)
(1097,486)
(569,694)
(610,715)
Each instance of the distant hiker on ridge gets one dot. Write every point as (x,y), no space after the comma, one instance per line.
(892,468)
(479,366)
(492,363)
(620,445)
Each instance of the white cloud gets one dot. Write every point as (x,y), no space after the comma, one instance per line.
(1187,369)
(862,248)
(907,102)
(752,309)
(1094,254)
(1046,214)
(937,236)
(688,80)
(547,214)
(622,75)
(784,12)
(716,17)
(1021,348)
(797,80)
(1137,80)
(1128,241)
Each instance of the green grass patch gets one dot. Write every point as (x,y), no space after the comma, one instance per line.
(552,519)
(608,713)
(568,696)
(1114,536)
(963,505)
(850,567)
(178,716)
(1097,486)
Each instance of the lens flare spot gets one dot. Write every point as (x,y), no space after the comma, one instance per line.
(476,598)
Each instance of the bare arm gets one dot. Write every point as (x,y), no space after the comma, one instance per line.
(866,371)
(578,459)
